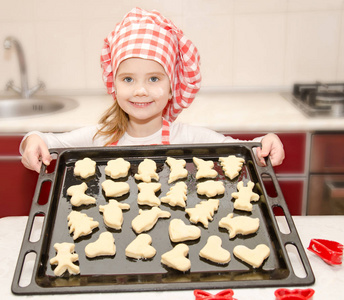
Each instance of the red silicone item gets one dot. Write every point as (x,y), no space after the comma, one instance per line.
(223,295)
(297,294)
(330,251)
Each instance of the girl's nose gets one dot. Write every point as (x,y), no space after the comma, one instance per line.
(140,91)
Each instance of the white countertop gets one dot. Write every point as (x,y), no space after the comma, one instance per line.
(220,111)
(328,284)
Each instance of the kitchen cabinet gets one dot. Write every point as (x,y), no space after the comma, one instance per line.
(17,183)
(292,174)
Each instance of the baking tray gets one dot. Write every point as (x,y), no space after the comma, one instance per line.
(122,274)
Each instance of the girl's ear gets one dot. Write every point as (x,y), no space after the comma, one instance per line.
(170,96)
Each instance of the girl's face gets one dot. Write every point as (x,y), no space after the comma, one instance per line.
(142,89)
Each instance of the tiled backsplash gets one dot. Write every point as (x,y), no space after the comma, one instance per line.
(243,43)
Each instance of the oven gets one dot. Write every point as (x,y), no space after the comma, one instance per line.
(326,174)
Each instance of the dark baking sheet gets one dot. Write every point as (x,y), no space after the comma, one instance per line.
(119,273)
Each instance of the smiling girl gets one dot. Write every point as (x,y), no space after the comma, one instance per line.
(152,71)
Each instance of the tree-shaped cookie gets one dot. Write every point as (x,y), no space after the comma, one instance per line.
(176,196)
(104,246)
(176,258)
(203,212)
(112,213)
(85,167)
(141,247)
(177,167)
(232,165)
(78,195)
(147,219)
(210,188)
(204,168)
(214,252)
(80,224)
(65,259)
(147,171)
(244,196)
(117,168)
(239,225)
(147,196)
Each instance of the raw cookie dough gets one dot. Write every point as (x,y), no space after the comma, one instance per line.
(141,248)
(204,168)
(112,213)
(147,196)
(232,165)
(214,252)
(176,258)
(80,224)
(147,219)
(64,259)
(239,225)
(253,257)
(177,167)
(210,188)
(179,232)
(147,171)
(78,195)
(203,212)
(104,246)
(85,167)
(244,196)
(176,196)
(115,189)
(117,168)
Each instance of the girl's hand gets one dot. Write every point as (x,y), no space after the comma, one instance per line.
(271,145)
(35,151)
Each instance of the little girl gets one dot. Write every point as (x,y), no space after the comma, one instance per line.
(152,71)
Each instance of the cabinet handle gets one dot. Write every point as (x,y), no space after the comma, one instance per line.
(335,189)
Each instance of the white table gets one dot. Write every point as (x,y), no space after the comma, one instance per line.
(329,279)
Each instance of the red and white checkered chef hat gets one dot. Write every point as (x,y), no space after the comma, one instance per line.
(150,35)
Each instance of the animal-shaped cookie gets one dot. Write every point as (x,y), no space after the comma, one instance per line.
(210,188)
(244,196)
(253,257)
(85,167)
(214,252)
(232,165)
(176,258)
(147,171)
(65,259)
(147,219)
(141,248)
(115,189)
(78,195)
(176,196)
(179,232)
(80,224)
(239,225)
(147,196)
(112,213)
(117,168)
(177,167)
(204,168)
(203,212)
(104,246)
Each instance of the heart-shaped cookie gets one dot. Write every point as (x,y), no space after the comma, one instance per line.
(141,247)
(180,232)
(176,258)
(214,252)
(253,257)
(105,245)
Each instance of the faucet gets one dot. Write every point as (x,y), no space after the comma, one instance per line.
(24,91)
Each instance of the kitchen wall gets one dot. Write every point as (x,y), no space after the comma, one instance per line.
(243,43)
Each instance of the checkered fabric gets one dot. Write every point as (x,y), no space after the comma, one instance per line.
(150,35)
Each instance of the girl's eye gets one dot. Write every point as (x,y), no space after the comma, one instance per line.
(128,79)
(154,79)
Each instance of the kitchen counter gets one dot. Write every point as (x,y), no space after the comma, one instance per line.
(220,111)
(328,285)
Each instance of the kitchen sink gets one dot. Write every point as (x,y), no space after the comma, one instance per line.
(14,107)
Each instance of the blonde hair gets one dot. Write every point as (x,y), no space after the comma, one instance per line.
(114,124)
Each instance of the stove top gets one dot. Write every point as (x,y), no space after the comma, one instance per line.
(319,99)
